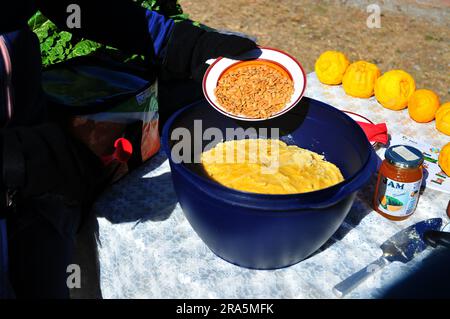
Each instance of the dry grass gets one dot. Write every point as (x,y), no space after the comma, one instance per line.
(307,28)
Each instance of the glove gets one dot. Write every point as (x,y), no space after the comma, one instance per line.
(189,47)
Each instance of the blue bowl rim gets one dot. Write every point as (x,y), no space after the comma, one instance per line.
(325,191)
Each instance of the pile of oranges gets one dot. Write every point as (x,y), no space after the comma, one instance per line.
(395,90)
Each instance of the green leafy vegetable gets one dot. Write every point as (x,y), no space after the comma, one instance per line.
(58,46)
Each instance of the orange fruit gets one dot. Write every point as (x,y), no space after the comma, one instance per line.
(330,67)
(442,109)
(394,88)
(422,106)
(444,159)
(359,79)
(443,118)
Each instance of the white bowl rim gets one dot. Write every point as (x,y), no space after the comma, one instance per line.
(354,115)
(242,118)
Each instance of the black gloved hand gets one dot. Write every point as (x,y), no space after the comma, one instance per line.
(189,47)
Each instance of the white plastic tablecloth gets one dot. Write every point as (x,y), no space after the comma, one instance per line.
(148,249)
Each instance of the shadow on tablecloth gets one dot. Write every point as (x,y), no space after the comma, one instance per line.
(146,194)
(360,209)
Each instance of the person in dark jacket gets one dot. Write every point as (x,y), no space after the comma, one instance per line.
(49,180)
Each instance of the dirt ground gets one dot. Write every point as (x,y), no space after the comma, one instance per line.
(307,28)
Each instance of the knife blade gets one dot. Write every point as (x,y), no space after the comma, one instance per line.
(402,247)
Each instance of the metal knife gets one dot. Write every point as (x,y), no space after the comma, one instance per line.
(436,238)
(402,247)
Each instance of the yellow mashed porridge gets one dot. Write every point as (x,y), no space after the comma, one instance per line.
(269,167)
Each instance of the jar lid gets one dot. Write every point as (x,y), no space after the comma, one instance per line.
(404,156)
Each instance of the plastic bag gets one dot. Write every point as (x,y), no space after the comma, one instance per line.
(110,107)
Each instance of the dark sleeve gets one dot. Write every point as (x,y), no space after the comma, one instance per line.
(122,24)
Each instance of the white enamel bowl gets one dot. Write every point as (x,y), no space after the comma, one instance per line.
(276,57)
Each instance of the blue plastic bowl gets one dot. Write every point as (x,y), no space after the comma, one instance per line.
(272,231)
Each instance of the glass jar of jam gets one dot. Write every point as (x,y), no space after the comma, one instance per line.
(399,181)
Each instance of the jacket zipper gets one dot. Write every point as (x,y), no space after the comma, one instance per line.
(7,76)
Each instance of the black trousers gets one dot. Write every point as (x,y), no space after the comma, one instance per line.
(39,256)
(42,229)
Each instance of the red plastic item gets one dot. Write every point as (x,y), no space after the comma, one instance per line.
(122,153)
(124,150)
(375,132)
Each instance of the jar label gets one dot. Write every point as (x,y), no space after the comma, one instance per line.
(396,198)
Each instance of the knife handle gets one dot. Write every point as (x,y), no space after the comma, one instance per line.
(436,238)
(347,285)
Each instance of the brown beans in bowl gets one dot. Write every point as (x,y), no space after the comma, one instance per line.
(256,91)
